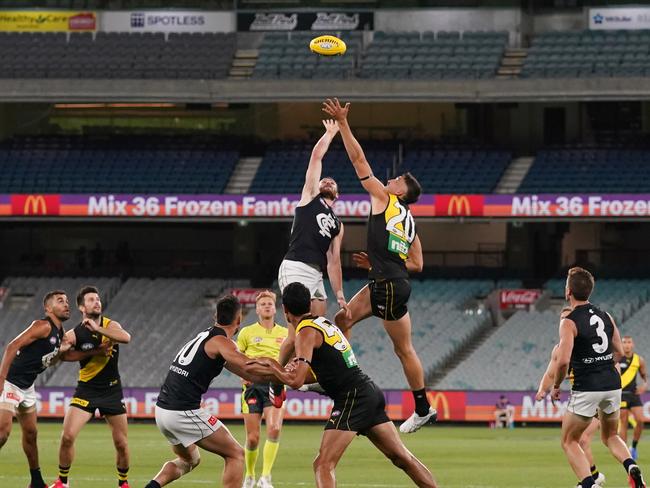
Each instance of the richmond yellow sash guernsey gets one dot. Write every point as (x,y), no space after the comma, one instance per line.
(333,363)
(390,235)
(100,370)
(629,369)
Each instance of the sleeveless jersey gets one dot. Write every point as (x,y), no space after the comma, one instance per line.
(592,358)
(97,371)
(314,227)
(629,369)
(390,235)
(35,358)
(256,341)
(191,373)
(333,363)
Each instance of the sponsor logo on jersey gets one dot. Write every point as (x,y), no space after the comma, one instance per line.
(52,340)
(257,340)
(336,413)
(87,346)
(212,420)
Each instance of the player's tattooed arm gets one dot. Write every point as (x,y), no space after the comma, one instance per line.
(236,362)
(299,370)
(315,168)
(39,329)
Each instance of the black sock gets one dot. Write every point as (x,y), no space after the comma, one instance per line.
(153,484)
(594,472)
(588,482)
(421,402)
(63,473)
(634,444)
(627,463)
(37,478)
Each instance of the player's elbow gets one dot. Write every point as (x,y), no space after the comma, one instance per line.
(125,338)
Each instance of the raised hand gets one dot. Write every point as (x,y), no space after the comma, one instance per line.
(331,127)
(361,260)
(334,108)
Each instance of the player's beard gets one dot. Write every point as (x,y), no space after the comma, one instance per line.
(325,193)
(93,315)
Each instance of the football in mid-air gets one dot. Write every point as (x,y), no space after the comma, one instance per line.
(327,46)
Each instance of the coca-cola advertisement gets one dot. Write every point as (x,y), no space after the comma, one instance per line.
(246,296)
(518,298)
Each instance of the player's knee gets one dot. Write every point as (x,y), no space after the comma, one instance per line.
(4,436)
(399,459)
(404,351)
(121,444)
(323,464)
(30,435)
(273,432)
(252,440)
(67,440)
(341,321)
(195,459)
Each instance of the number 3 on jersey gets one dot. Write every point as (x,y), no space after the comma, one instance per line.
(401,227)
(600,331)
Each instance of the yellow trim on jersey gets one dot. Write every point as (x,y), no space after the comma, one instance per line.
(255,340)
(97,363)
(630,373)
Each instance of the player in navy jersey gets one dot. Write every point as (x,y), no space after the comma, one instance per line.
(590,343)
(316,236)
(25,357)
(179,415)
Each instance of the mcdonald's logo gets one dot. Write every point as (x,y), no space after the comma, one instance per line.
(459,205)
(438,400)
(35,204)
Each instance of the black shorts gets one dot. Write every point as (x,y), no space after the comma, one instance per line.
(255,398)
(109,401)
(359,409)
(630,400)
(388,298)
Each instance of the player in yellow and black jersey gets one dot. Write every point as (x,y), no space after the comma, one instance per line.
(99,387)
(394,250)
(263,338)
(359,405)
(631,366)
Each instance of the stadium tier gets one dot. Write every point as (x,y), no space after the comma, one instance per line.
(116,164)
(390,55)
(516,355)
(588,54)
(589,171)
(116,55)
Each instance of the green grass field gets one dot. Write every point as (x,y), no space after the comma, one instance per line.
(460,457)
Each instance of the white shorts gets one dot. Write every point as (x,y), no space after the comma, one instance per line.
(312,278)
(186,426)
(15,399)
(587,403)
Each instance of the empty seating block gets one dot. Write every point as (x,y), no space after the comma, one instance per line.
(130,164)
(589,170)
(588,54)
(457,170)
(446,55)
(116,55)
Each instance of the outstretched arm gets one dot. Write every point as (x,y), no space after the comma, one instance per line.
(314,170)
(364,172)
(260,370)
